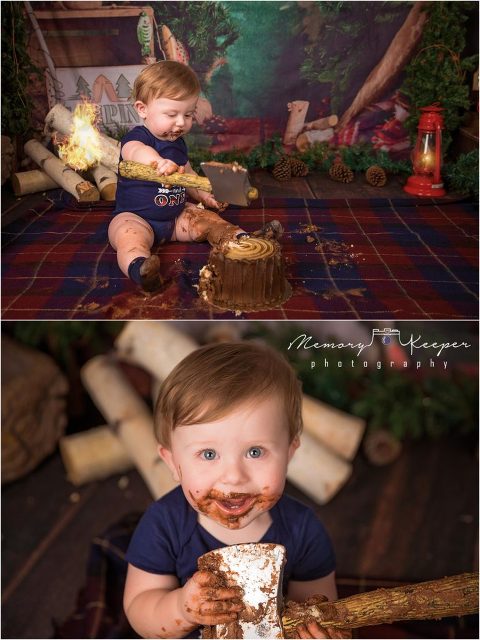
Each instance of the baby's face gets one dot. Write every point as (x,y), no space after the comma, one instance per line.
(233,470)
(168,119)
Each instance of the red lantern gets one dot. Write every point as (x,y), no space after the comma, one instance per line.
(427,155)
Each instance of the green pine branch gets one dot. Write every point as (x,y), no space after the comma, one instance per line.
(205,27)
(17,105)
(438,73)
(461,175)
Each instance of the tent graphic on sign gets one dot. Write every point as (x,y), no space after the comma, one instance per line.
(103,84)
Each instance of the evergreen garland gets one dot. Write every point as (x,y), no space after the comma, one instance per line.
(438,73)
(17,105)
(318,157)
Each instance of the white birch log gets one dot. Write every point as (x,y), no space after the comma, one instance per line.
(60,119)
(93,454)
(156,346)
(341,432)
(34,181)
(106,181)
(67,178)
(317,471)
(298,112)
(321,123)
(128,414)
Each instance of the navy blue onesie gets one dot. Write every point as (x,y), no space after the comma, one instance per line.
(158,205)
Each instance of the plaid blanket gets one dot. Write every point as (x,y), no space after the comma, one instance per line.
(99,607)
(346,259)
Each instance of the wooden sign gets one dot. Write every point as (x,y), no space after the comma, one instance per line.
(109,87)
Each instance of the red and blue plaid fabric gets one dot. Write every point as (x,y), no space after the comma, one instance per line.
(346,259)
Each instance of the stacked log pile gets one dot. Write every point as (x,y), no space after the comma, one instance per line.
(53,172)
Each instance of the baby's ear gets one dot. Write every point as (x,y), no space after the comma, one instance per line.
(295,443)
(166,455)
(141,108)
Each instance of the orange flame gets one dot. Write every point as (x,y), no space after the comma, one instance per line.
(82,151)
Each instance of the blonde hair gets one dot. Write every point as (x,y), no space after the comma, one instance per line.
(214,380)
(165,79)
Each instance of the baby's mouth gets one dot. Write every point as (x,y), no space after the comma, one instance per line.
(235,506)
(173,135)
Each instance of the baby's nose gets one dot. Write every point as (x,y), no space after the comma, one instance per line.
(180,120)
(233,474)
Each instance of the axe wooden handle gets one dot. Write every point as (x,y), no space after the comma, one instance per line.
(139,171)
(453,596)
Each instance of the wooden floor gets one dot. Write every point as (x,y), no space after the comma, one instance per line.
(318,185)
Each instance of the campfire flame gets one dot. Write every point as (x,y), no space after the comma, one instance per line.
(81,150)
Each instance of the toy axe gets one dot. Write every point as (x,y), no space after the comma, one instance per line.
(258,569)
(228,182)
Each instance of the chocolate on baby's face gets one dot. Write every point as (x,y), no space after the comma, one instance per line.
(233,470)
(231,510)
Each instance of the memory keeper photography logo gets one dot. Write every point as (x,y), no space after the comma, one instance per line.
(392,351)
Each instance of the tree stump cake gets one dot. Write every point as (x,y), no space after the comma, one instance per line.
(249,275)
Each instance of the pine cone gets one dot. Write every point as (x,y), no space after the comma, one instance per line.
(340,172)
(282,170)
(376,176)
(298,167)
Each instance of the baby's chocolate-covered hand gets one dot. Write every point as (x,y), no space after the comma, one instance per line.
(209,201)
(205,602)
(166,167)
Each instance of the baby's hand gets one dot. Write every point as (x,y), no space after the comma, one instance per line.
(164,167)
(204,602)
(209,201)
(314,630)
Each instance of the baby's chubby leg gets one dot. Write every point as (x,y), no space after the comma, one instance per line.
(132,238)
(195,224)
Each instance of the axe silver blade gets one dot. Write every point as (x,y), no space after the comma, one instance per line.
(258,569)
(229,183)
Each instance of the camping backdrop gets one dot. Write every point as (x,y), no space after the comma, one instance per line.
(265,67)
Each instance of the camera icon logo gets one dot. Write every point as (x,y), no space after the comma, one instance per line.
(385,335)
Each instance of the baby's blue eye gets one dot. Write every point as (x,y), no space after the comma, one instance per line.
(209,454)
(255,452)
